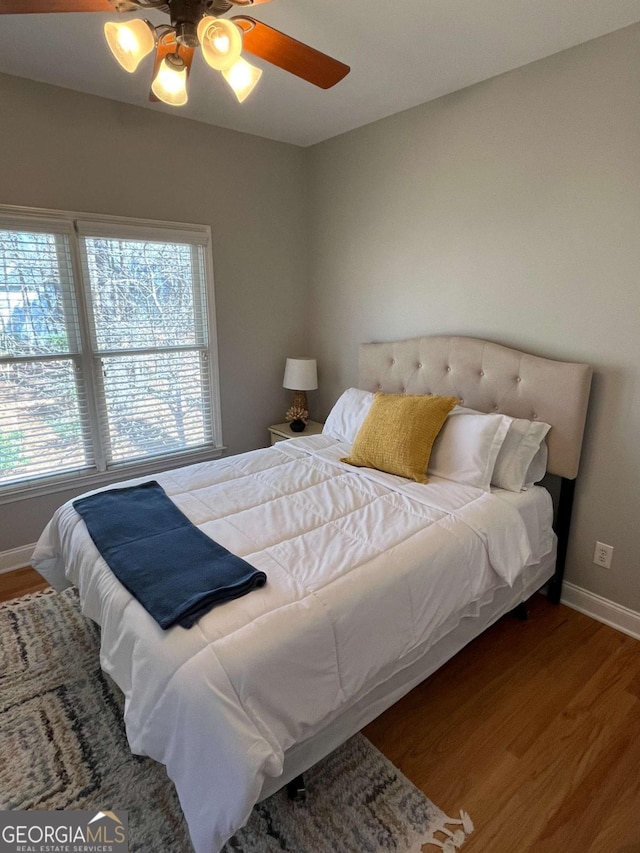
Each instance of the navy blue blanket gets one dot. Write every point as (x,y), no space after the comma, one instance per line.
(174,570)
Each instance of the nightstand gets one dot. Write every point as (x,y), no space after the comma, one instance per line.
(280,432)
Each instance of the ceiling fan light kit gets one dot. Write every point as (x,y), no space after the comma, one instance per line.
(221,42)
(130,42)
(196,23)
(170,83)
(242,77)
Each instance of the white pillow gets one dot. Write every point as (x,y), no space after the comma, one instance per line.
(515,468)
(467,447)
(348,414)
(538,467)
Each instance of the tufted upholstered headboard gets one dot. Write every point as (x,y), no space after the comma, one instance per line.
(490,378)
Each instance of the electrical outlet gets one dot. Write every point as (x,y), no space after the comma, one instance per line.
(602,555)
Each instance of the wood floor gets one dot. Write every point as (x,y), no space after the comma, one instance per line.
(20,582)
(534,729)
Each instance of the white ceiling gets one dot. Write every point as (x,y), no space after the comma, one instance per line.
(401,54)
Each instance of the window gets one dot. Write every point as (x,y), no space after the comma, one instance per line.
(106,355)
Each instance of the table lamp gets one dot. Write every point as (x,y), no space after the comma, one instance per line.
(300,376)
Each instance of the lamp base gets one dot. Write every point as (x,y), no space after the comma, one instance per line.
(298,411)
(299,400)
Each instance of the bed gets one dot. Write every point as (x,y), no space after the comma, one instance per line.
(374,582)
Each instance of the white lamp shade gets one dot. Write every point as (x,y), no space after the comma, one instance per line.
(170,84)
(242,77)
(129,42)
(220,41)
(301,374)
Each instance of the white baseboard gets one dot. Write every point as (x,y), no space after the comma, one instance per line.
(615,615)
(16,558)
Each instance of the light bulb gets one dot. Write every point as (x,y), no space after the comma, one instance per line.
(221,42)
(170,84)
(242,77)
(129,42)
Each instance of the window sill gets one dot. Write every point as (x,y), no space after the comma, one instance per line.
(85,481)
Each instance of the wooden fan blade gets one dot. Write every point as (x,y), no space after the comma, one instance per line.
(289,54)
(26,7)
(166,46)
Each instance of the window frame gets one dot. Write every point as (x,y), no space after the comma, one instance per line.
(76,225)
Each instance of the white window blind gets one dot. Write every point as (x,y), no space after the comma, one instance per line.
(105,346)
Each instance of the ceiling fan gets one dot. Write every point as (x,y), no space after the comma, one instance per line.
(196,23)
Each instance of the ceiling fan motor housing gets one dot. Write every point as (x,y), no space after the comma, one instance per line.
(217,8)
(185,15)
(125,5)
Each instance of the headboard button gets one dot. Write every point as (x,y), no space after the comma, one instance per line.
(482,373)
(419,364)
(448,370)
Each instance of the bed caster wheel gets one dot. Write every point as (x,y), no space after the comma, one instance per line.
(296,790)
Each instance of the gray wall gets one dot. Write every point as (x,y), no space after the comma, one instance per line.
(69,151)
(511,211)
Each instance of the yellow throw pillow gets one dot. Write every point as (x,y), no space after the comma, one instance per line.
(398,433)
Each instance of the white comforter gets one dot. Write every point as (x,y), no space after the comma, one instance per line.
(362,569)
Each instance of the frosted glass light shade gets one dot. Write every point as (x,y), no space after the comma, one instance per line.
(242,77)
(129,42)
(301,374)
(220,41)
(170,84)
